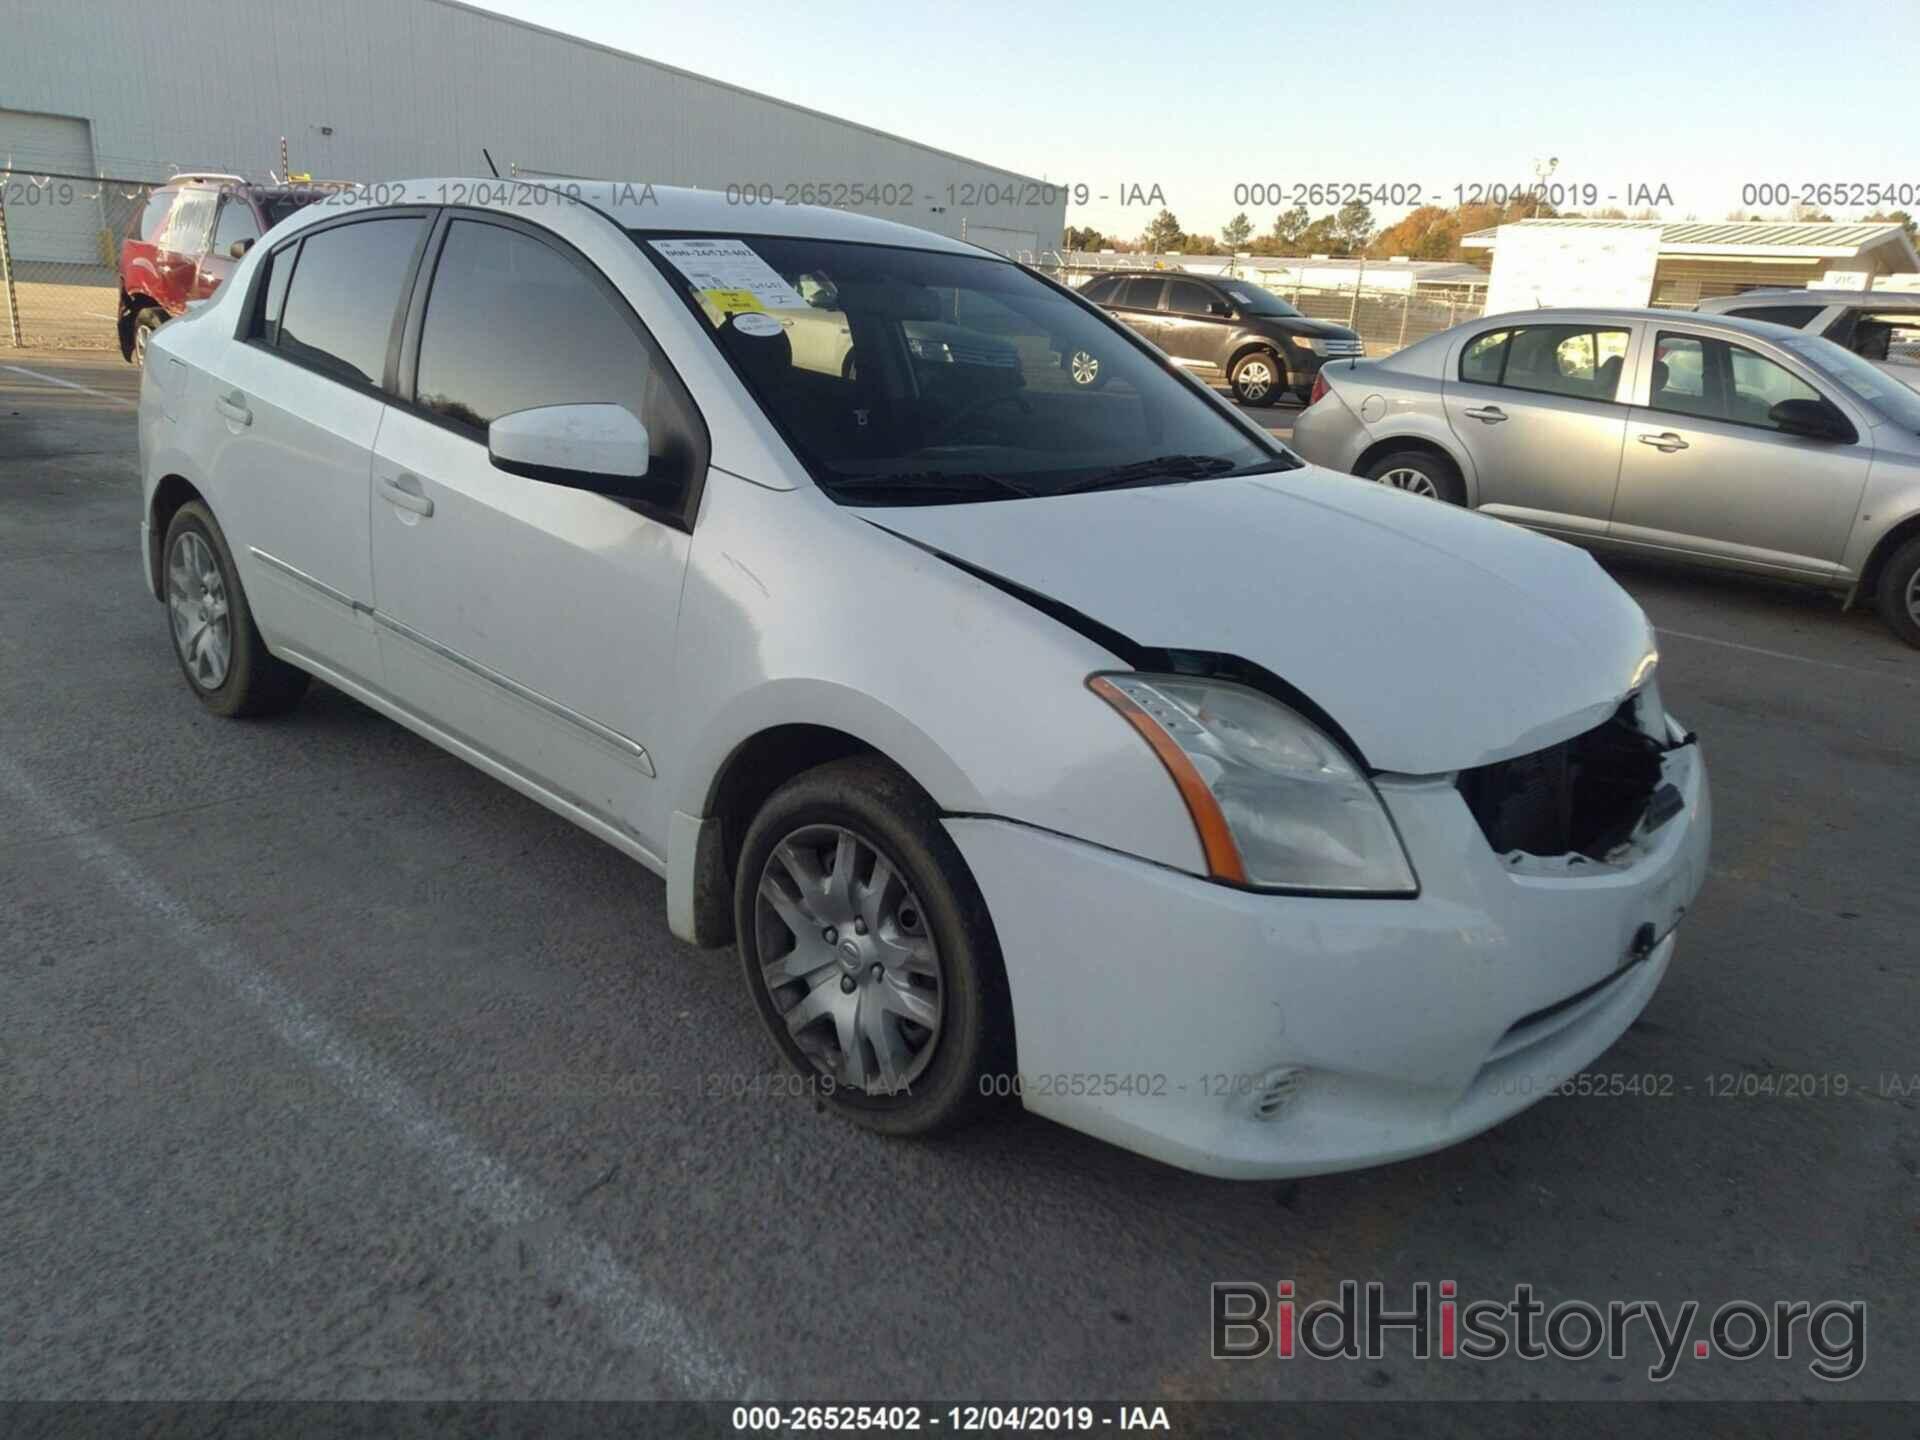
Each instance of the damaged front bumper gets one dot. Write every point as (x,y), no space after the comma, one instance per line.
(1256,1035)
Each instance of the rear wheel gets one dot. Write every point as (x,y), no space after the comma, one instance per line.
(220,651)
(1899,592)
(1258,378)
(148,319)
(868,950)
(1420,472)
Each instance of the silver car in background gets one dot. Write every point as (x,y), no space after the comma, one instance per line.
(1733,443)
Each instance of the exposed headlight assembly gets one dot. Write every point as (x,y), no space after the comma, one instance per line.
(1277,804)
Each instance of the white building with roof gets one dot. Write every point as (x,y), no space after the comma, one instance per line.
(1679,263)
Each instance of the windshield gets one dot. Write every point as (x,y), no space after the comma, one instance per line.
(1256,299)
(912,377)
(1866,383)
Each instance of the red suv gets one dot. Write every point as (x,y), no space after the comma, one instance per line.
(187,239)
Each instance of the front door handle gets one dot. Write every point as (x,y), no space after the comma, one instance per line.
(1487,415)
(233,406)
(1666,443)
(396,492)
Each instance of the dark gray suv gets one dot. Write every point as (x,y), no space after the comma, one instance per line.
(1220,327)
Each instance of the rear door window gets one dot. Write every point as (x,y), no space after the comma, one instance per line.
(1142,293)
(1582,362)
(342,301)
(1189,298)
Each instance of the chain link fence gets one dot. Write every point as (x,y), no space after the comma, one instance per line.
(60,257)
(1386,318)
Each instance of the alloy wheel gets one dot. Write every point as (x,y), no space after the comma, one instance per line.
(1414,482)
(1913,597)
(848,960)
(1084,367)
(197,600)
(1255,380)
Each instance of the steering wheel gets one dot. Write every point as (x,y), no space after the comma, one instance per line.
(937,433)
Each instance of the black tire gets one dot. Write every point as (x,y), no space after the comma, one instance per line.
(1898,593)
(972,1044)
(1436,470)
(146,320)
(254,683)
(1084,368)
(1258,377)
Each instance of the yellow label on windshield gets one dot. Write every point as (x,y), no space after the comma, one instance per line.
(732,301)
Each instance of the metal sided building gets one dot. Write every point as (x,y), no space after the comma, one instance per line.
(384,89)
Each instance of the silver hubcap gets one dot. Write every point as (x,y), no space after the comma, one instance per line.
(1913,597)
(847,958)
(197,598)
(1414,482)
(1084,368)
(1255,379)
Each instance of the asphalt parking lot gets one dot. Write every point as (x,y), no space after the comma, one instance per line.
(331,1068)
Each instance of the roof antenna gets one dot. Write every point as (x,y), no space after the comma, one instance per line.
(490,165)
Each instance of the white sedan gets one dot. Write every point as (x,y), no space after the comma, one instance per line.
(1028,740)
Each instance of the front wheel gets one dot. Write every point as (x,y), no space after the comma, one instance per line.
(869,952)
(1084,369)
(1257,379)
(214,638)
(1899,593)
(1420,472)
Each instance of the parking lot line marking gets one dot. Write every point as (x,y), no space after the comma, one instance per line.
(70,385)
(584,1266)
(1783,655)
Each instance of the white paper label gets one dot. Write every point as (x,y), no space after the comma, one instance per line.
(730,266)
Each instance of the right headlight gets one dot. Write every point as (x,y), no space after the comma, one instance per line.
(1277,804)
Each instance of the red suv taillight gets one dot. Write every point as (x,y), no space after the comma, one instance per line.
(1320,387)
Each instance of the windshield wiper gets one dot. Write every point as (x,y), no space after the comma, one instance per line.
(935,482)
(1161,467)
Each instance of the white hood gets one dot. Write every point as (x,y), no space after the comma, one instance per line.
(1437,638)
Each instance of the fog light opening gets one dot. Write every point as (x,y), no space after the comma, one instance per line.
(1275,1092)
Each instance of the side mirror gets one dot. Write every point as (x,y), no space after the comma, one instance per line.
(238,249)
(1812,420)
(598,448)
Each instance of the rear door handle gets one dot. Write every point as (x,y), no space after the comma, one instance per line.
(234,407)
(1666,443)
(1487,414)
(395,491)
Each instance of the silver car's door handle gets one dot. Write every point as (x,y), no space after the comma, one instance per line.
(396,493)
(1487,414)
(234,407)
(1666,443)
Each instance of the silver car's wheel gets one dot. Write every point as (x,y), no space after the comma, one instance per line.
(1414,482)
(1913,598)
(197,596)
(1083,367)
(848,959)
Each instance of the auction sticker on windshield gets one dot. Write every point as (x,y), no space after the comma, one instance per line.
(730,273)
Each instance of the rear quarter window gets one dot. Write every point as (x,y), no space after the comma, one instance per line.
(153,215)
